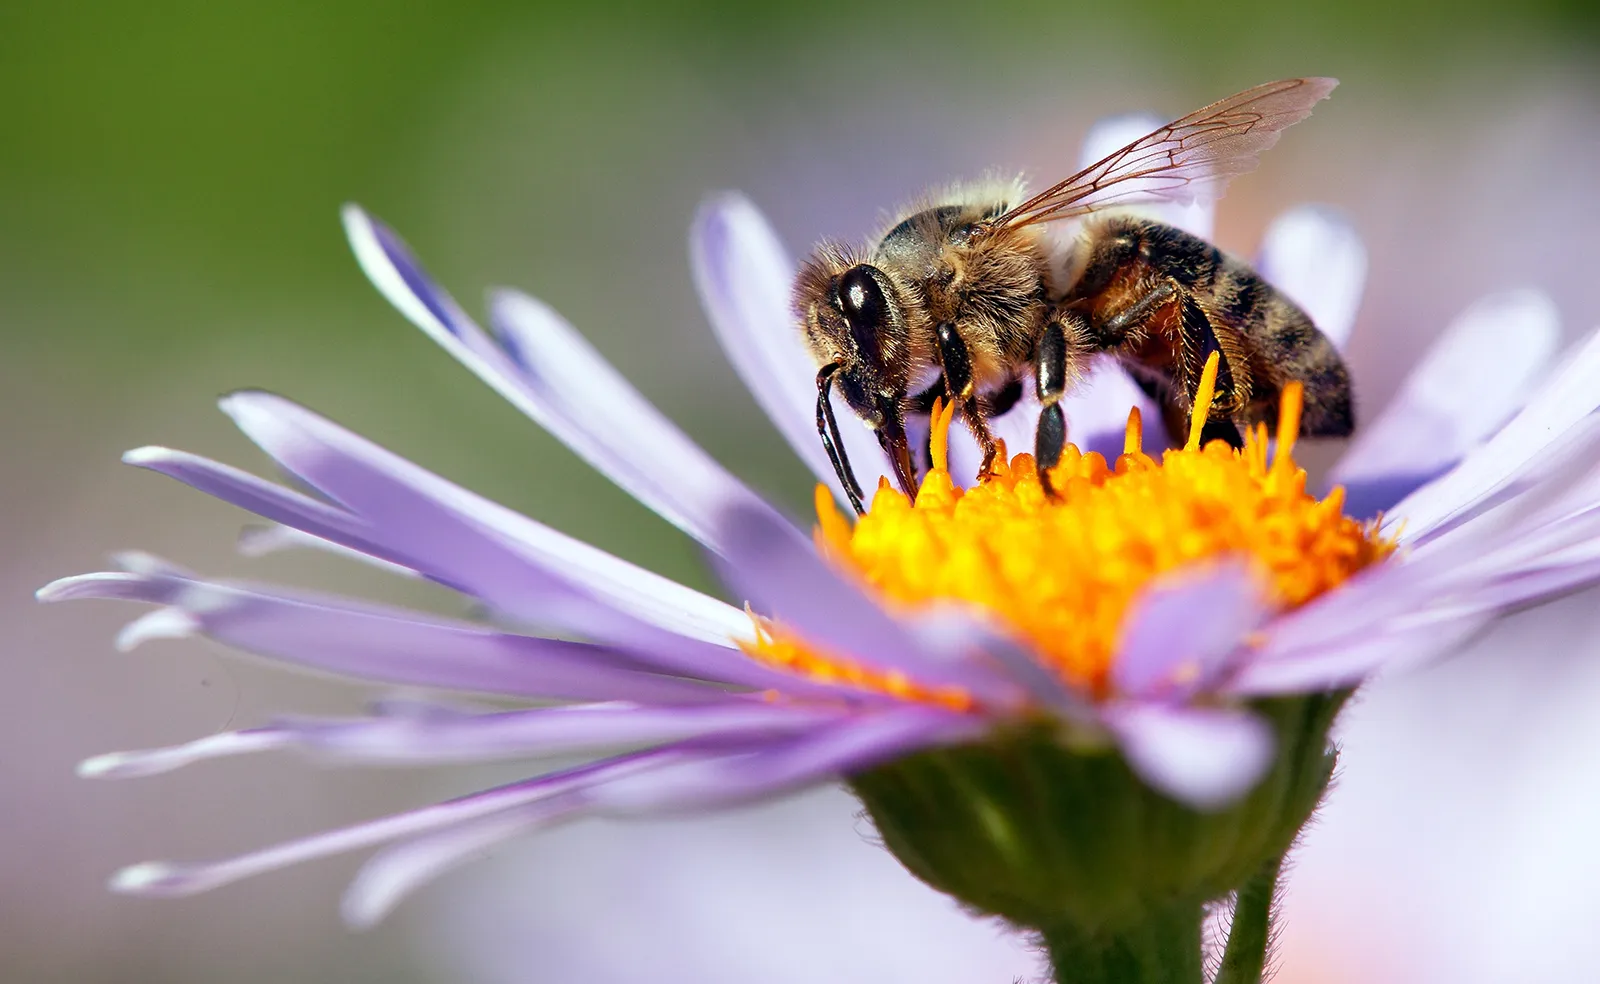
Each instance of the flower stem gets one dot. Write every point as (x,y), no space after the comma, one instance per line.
(1250,936)
(1164,949)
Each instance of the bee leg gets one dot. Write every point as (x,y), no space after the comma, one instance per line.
(828,429)
(1201,335)
(1199,340)
(1050,384)
(1115,330)
(960,387)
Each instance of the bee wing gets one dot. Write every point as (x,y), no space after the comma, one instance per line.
(1188,159)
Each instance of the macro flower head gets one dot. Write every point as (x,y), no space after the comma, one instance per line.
(1064,711)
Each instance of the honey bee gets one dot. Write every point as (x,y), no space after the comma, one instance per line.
(969,298)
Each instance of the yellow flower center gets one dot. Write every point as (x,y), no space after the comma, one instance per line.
(1062,572)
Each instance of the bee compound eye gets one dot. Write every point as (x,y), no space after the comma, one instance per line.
(861,299)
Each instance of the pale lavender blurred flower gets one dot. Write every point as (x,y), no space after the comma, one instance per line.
(1491,498)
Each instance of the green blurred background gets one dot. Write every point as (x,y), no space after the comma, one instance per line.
(170,176)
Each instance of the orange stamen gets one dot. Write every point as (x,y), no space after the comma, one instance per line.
(1202,401)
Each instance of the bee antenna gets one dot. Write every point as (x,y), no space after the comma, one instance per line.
(828,428)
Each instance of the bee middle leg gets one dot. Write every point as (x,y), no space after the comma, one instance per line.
(961,389)
(1050,385)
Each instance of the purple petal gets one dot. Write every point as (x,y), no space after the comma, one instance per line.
(464,737)
(1346,662)
(767,561)
(374,642)
(264,498)
(1468,384)
(952,632)
(823,755)
(1351,613)
(1558,405)
(392,874)
(1179,634)
(690,783)
(1314,255)
(166,879)
(517,565)
(744,278)
(549,373)
(1111,134)
(617,429)
(259,541)
(1205,757)
(154,761)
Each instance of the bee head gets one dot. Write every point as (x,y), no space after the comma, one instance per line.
(851,317)
(855,328)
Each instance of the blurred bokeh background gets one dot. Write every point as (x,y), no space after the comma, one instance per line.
(170,175)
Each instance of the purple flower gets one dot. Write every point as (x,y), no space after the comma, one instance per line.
(1483,478)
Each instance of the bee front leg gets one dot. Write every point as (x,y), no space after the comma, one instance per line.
(1050,384)
(960,387)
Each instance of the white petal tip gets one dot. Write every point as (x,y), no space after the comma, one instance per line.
(112,765)
(101,584)
(156,879)
(163,623)
(148,455)
(361,912)
(58,590)
(352,214)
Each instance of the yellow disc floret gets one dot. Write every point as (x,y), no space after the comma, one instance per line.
(1062,572)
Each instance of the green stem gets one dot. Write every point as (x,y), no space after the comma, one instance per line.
(1163,949)
(1250,936)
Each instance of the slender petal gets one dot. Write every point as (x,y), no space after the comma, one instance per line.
(1357,610)
(1467,386)
(1346,662)
(548,372)
(462,737)
(519,566)
(1177,638)
(160,878)
(689,783)
(373,642)
(1202,756)
(744,277)
(264,498)
(622,434)
(154,761)
(1557,406)
(390,875)
(780,572)
(954,633)
(857,742)
(1314,255)
(259,541)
